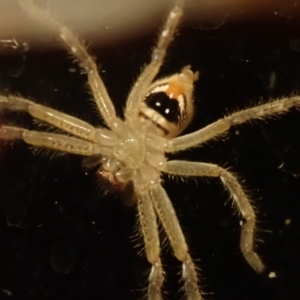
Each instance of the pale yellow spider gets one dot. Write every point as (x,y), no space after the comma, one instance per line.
(132,151)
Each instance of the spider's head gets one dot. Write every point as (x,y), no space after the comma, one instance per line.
(169,103)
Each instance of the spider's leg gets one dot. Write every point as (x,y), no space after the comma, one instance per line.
(51,116)
(53,141)
(149,230)
(240,199)
(141,86)
(79,51)
(167,216)
(215,129)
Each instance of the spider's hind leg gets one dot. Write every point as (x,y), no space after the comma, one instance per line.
(65,122)
(48,140)
(150,234)
(239,197)
(167,216)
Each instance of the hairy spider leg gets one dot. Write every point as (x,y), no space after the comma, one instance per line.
(241,201)
(215,129)
(85,60)
(145,79)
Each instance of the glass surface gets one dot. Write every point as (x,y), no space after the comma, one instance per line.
(62,237)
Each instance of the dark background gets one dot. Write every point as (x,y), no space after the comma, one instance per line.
(62,237)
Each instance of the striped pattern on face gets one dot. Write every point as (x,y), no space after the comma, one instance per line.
(169,104)
(164,101)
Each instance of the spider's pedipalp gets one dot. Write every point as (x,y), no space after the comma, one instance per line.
(239,197)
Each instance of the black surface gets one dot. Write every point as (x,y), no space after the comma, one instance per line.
(62,237)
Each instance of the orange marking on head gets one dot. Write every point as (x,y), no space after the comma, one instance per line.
(176,88)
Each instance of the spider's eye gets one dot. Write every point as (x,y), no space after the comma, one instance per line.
(165,106)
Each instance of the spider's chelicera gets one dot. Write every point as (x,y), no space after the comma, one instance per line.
(132,151)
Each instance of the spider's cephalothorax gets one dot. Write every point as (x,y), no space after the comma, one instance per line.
(137,149)
(133,151)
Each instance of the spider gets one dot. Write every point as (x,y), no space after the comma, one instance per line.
(133,151)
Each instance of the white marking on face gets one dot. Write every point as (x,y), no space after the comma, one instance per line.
(157,120)
(160,88)
(165,33)
(181,103)
(172,15)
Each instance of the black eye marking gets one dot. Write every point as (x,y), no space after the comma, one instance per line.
(165,106)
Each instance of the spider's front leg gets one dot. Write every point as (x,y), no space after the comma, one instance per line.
(80,52)
(240,199)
